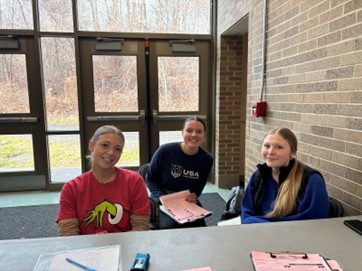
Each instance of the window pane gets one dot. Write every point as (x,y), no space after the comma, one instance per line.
(14,97)
(170,136)
(146,16)
(131,153)
(16,14)
(178,84)
(56,15)
(115,83)
(16,153)
(64,156)
(60,83)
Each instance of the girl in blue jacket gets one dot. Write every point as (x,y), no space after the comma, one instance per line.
(283,188)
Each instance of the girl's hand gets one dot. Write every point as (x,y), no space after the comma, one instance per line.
(192,198)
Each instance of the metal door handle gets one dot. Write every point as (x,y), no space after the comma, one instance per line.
(142,117)
(154,117)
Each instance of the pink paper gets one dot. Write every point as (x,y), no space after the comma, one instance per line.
(182,211)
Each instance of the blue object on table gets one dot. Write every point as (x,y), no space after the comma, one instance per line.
(80,265)
(140,262)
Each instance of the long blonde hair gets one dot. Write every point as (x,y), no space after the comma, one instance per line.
(286,201)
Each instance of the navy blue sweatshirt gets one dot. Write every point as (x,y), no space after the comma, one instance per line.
(171,170)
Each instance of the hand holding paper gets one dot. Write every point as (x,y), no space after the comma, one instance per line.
(177,207)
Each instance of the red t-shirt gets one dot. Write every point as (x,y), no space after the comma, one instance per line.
(104,208)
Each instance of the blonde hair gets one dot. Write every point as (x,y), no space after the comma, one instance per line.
(286,201)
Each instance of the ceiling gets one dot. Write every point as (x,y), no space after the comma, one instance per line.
(239,28)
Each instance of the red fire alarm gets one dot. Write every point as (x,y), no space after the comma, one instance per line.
(258,109)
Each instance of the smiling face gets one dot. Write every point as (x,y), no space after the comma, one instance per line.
(276,151)
(106,150)
(193,134)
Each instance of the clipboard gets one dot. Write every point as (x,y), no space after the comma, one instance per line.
(266,261)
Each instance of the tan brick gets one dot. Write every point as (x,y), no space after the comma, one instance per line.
(352,6)
(309,23)
(315,11)
(351,59)
(330,62)
(354,175)
(352,110)
(313,97)
(314,76)
(306,67)
(318,31)
(351,32)
(355,97)
(341,48)
(349,136)
(330,38)
(344,72)
(332,167)
(324,120)
(342,22)
(307,46)
(331,14)
(354,124)
(354,149)
(347,160)
(350,84)
(359,16)
(336,97)
(298,97)
(307,4)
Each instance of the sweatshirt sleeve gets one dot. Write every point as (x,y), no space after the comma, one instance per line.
(314,203)
(153,177)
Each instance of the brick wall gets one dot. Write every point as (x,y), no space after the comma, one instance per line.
(313,85)
(230,134)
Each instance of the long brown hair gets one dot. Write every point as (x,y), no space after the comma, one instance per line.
(286,201)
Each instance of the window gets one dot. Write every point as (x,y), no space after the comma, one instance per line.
(146,16)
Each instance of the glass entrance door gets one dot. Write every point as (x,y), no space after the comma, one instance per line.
(180,87)
(146,88)
(22,137)
(113,92)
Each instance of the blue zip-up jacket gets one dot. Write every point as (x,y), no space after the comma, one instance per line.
(313,202)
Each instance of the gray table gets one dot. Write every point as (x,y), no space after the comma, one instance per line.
(222,248)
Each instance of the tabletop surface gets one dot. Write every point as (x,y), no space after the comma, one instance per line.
(222,248)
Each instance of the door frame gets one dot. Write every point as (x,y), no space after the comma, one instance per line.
(31,123)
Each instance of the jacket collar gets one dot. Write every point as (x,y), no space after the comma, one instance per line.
(265,171)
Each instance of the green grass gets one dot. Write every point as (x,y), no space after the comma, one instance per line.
(64,154)
(130,156)
(17,152)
